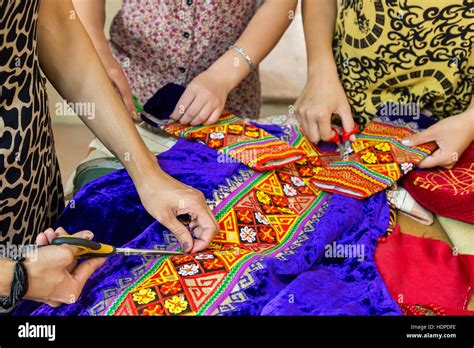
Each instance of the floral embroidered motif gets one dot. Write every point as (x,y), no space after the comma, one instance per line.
(369,157)
(219,135)
(213,264)
(297,181)
(204,256)
(144,296)
(383,147)
(156,310)
(247,234)
(266,235)
(170,288)
(263,197)
(188,270)
(289,191)
(182,259)
(261,218)
(245,216)
(176,304)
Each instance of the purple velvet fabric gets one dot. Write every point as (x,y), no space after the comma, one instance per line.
(111,208)
(306,283)
(314,282)
(331,285)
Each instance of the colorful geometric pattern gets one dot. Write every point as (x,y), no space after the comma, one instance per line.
(241,141)
(377,161)
(265,214)
(260,218)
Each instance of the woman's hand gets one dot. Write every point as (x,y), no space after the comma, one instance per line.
(165,198)
(53,277)
(453,135)
(203,100)
(322,97)
(46,237)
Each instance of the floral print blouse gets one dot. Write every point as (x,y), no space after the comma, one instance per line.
(161,41)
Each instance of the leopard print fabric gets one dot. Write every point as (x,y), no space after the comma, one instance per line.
(31,195)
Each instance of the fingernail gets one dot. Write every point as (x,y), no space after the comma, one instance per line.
(186,247)
(90,235)
(406,142)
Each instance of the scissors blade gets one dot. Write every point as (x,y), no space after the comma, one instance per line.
(345,149)
(130,251)
(341,150)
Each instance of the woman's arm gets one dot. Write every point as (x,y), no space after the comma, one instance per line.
(92,15)
(319,19)
(261,35)
(204,99)
(70,62)
(323,94)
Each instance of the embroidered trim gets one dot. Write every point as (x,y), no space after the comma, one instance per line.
(241,141)
(378,160)
(261,217)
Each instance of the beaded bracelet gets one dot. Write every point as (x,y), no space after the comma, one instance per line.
(245,56)
(19,286)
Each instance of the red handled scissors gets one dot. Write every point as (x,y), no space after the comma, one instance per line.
(342,140)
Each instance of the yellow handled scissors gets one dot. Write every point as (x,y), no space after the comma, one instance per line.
(90,249)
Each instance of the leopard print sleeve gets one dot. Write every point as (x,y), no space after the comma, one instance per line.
(31,194)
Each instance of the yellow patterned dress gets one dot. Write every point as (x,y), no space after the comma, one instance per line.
(408,52)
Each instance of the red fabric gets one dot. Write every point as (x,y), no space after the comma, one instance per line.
(447,192)
(425,271)
(457,312)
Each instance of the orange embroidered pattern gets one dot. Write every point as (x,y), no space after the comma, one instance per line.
(265,215)
(378,160)
(241,141)
(262,217)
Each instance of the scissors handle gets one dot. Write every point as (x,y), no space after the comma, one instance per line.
(347,135)
(88,248)
(336,138)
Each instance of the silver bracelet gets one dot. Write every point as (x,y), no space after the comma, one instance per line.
(245,56)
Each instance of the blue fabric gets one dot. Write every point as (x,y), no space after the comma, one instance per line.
(306,283)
